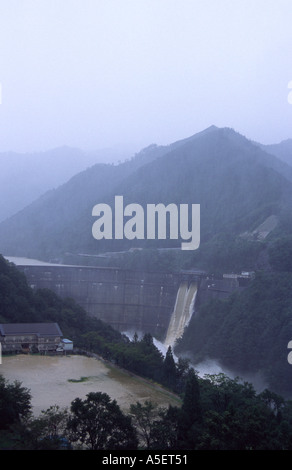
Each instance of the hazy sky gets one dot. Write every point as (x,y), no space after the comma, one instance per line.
(97,73)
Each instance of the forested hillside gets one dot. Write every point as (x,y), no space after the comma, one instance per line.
(216,413)
(249,332)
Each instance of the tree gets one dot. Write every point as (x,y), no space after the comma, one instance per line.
(143,417)
(135,337)
(14,403)
(165,431)
(44,432)
(182,369)
(169,374)
(274,401)
(191,412)
(191,407)
(50,428)
(99,424)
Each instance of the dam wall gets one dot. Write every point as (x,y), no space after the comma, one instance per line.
(148,302)
(127,300)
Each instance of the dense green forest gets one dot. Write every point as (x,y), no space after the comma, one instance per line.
(249,332)
(216,412)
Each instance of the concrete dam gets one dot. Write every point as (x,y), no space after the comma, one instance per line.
(148,302)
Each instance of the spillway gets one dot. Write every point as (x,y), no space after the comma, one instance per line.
(182,313)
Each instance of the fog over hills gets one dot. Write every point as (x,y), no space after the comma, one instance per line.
(237,184)
(26,176)
(283,150)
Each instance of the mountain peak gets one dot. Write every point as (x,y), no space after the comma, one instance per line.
(211,128)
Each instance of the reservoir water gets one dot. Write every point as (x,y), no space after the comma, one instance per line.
(56,380)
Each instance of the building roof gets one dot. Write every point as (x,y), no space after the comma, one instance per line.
(40,329)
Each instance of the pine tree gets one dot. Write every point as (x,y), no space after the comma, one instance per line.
(169,370)
(191,413)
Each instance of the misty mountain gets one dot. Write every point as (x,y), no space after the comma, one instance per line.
(25,177)
(237,184)
(283,150)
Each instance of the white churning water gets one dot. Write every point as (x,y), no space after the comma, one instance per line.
(182,313)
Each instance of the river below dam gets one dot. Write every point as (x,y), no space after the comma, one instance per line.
(58,380)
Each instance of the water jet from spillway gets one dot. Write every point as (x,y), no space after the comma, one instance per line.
(182,313)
